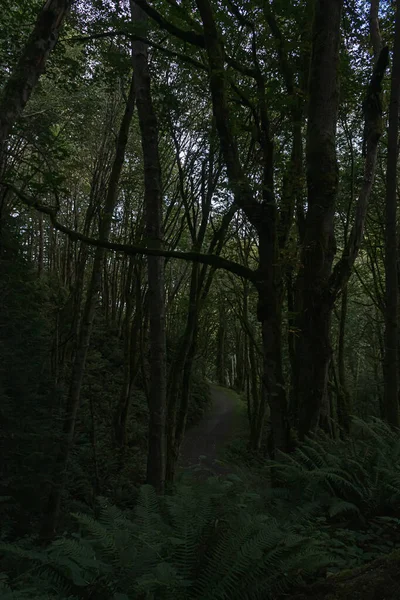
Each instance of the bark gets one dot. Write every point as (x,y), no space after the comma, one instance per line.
(240,365)
(343,396)
(374,31)
(253,390)
(318,288)
(253,398)
(78,370)
(178,394)
(131,358)
(30,66)
(221,339)
(273,389)
(122,411)
(156,460)
(391,375)
(263,216)
(313,350)
(41,246)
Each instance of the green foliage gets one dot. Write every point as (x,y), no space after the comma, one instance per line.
(207,541)
(27,398)
(220,538)
(350,488)
(357,478)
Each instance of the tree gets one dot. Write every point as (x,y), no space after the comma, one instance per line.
(391,256)
(74,393)
(156,462)
(30,66)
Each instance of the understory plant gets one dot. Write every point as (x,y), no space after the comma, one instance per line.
(333,504)
(209,540)
(355,479)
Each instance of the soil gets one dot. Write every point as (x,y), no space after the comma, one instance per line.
(203,443)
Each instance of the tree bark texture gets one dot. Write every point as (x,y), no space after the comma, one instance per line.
(391,375)
(156,461)
(313,350)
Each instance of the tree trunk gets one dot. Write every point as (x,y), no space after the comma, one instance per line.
(343,396)
(263,216)
(391,375)
(220,354)
(253,390)
(313,349)
(178,395)
(30,67)
(73,400)
(121,412)
(131,358)
(273,388)
(156,460)
(40,246)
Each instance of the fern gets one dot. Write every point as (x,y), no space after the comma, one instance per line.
(218,539)
(358,476)
(208,541)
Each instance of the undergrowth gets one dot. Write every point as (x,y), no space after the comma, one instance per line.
(207,541)
(331,505)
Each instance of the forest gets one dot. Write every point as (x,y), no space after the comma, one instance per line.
(199,300)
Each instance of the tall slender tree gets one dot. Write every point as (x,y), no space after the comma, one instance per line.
(84,336)
(156,461)
(391,362)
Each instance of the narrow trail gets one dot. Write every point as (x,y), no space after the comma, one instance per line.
(209,437)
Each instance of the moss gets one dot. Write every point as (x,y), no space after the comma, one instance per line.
(379,580)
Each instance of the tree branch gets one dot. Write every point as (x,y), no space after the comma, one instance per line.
(185,35)
(138,38)
(286,70)
(342,271)
(242,191)
(217,262)
(196,39)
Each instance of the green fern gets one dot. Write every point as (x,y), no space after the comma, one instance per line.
(362,473)
(207,541)
(218,539)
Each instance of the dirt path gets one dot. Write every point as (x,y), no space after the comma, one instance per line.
(215,430)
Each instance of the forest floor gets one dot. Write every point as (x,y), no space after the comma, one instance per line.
(204,444)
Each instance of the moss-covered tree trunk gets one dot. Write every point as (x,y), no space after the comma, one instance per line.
(313,349)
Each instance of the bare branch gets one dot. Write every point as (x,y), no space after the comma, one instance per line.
(217,262)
